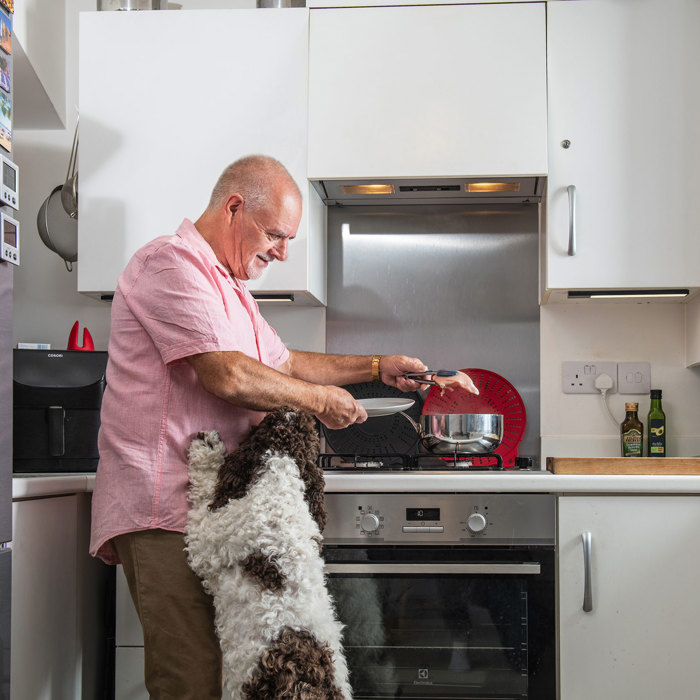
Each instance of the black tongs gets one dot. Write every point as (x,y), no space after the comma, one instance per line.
(421,378)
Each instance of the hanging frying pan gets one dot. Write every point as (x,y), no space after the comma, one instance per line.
(383,435)
(496,395)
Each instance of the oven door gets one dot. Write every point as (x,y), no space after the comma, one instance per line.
(446,622)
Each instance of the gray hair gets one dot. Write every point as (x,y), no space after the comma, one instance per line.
(254,177)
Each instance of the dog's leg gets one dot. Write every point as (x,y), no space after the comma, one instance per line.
(205,455)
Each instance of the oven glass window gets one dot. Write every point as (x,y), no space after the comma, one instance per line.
(451,623)
(434,637)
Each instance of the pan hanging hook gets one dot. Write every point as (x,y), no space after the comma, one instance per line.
(69,192)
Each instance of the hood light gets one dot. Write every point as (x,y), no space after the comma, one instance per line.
(631,294)
(368,189)
(492,187)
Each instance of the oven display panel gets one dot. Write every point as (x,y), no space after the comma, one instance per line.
(420,514)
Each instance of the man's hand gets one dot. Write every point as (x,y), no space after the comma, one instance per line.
(393,367)
(340,409)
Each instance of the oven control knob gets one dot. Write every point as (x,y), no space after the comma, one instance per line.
(476,523)
(370,522)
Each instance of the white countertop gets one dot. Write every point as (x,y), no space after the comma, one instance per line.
(34,486)
(509,482)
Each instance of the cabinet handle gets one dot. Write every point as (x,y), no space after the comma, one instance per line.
(587,592)
(571,189)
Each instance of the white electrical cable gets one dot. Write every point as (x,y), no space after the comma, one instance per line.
(603,382)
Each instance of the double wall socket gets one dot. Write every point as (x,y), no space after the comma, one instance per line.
(579,377)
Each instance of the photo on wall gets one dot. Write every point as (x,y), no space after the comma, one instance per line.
(5,33)
(5,122)
(5,74)
(9,5)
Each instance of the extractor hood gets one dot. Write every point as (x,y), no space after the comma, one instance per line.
(431,190)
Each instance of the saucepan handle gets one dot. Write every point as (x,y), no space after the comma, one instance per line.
(428,441)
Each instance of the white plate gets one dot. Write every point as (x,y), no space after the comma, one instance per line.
(385,407)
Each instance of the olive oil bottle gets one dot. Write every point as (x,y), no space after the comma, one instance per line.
(656,426)
(632,432)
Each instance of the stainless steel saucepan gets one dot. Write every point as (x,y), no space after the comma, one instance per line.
(469,433)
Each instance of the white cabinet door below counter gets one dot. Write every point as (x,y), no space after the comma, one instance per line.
(640,638)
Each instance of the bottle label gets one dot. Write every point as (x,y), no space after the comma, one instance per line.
(657,437)
(632,443)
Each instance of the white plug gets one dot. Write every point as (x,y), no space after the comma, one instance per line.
(604,382)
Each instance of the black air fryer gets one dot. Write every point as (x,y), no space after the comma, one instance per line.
(57,399)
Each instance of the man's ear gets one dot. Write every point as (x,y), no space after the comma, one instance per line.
(234,204)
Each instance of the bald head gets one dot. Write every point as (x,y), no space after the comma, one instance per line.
(257,178)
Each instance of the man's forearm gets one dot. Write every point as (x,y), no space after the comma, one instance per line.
(243,381)
(320,368)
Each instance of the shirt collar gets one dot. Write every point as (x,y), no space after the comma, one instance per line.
(188,232)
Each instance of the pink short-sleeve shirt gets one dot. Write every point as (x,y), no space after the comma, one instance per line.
(173,300)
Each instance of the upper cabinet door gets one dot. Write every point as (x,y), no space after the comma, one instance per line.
(624,96)
(427,91)
(167,101)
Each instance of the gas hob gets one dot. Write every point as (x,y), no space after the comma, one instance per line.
(430,463)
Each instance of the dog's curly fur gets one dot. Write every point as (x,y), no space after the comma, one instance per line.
(252,536)
(265,570)
(283,431)
(295,667)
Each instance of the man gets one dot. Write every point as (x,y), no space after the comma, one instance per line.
(189,351)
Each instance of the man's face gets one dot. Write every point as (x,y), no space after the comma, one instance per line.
(261,236)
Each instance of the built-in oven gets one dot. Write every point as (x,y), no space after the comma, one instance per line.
(445,595)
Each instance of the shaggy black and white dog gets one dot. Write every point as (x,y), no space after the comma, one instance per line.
(253,536)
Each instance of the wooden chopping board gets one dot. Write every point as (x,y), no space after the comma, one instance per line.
(624,465)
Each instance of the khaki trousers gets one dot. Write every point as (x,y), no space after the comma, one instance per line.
(182,652)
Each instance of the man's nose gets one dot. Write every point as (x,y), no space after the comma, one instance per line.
(280,249)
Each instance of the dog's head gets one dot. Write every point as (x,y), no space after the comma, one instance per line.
(292,432)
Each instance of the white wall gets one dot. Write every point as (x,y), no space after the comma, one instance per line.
(579,425)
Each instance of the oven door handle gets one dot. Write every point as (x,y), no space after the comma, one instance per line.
(530,568)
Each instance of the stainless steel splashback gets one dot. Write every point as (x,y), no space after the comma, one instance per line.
(455,285)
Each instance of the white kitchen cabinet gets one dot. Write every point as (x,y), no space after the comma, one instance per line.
(129,656)
(60,596)
(161,119)
(431,91)
(45,648)
(692,332)
(624,93)
(640,638)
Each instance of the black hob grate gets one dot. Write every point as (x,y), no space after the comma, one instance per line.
(331,462)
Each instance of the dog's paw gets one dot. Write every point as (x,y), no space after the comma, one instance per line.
(208,439)
(207,450)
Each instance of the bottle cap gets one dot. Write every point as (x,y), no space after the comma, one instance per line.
(655,393)
(631,406)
